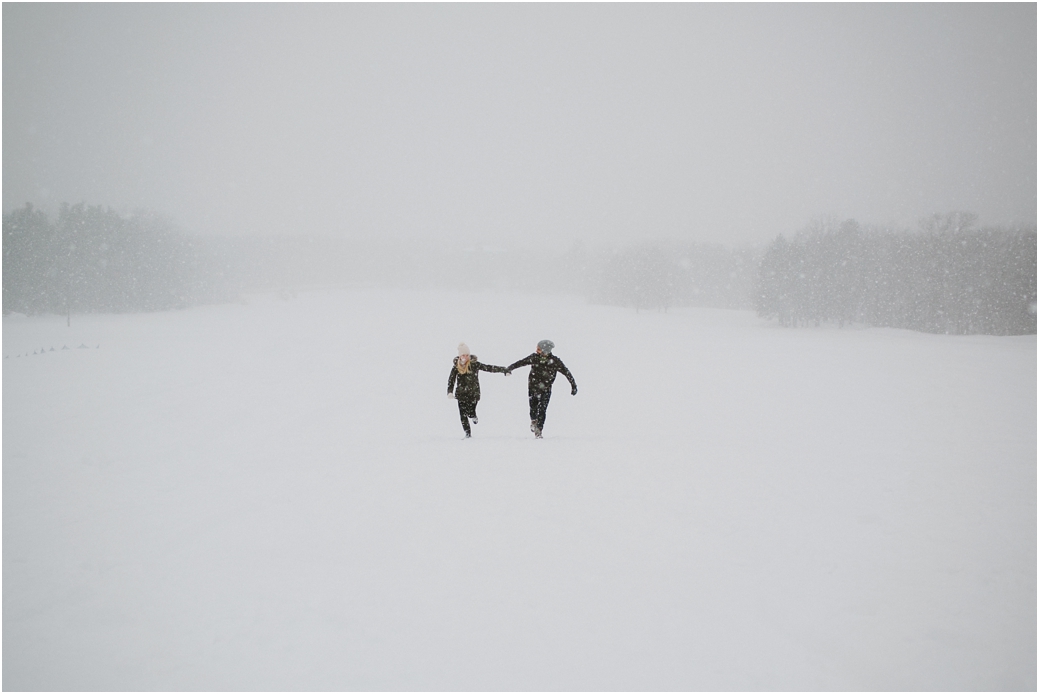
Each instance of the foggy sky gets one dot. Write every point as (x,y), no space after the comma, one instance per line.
(503,124)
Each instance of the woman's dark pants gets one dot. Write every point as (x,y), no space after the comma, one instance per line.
(467,409)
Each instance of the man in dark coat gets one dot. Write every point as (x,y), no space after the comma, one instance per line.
(465,370)
(543,369)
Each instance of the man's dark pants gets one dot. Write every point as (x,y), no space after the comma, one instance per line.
(539,406)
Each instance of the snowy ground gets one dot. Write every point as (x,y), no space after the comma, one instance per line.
(278,496)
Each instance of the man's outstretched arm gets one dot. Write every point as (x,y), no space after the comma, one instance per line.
(525,361)
(569,376)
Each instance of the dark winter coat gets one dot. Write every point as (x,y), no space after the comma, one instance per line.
(543,369)
(468,385)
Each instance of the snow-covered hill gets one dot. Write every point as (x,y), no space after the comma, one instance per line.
(278,496)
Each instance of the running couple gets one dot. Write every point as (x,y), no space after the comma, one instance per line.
(543,368)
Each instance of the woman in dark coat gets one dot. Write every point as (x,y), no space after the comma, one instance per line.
(464,381)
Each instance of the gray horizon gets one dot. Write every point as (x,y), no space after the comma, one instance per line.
(513,124)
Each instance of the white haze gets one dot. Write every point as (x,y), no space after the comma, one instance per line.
(243,472)
(503,124)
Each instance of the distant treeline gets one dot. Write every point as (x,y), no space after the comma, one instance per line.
(949,277)
(95,260)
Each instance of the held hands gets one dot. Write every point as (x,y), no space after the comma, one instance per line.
(508,372)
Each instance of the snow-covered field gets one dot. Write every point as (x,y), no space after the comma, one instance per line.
(278,496)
